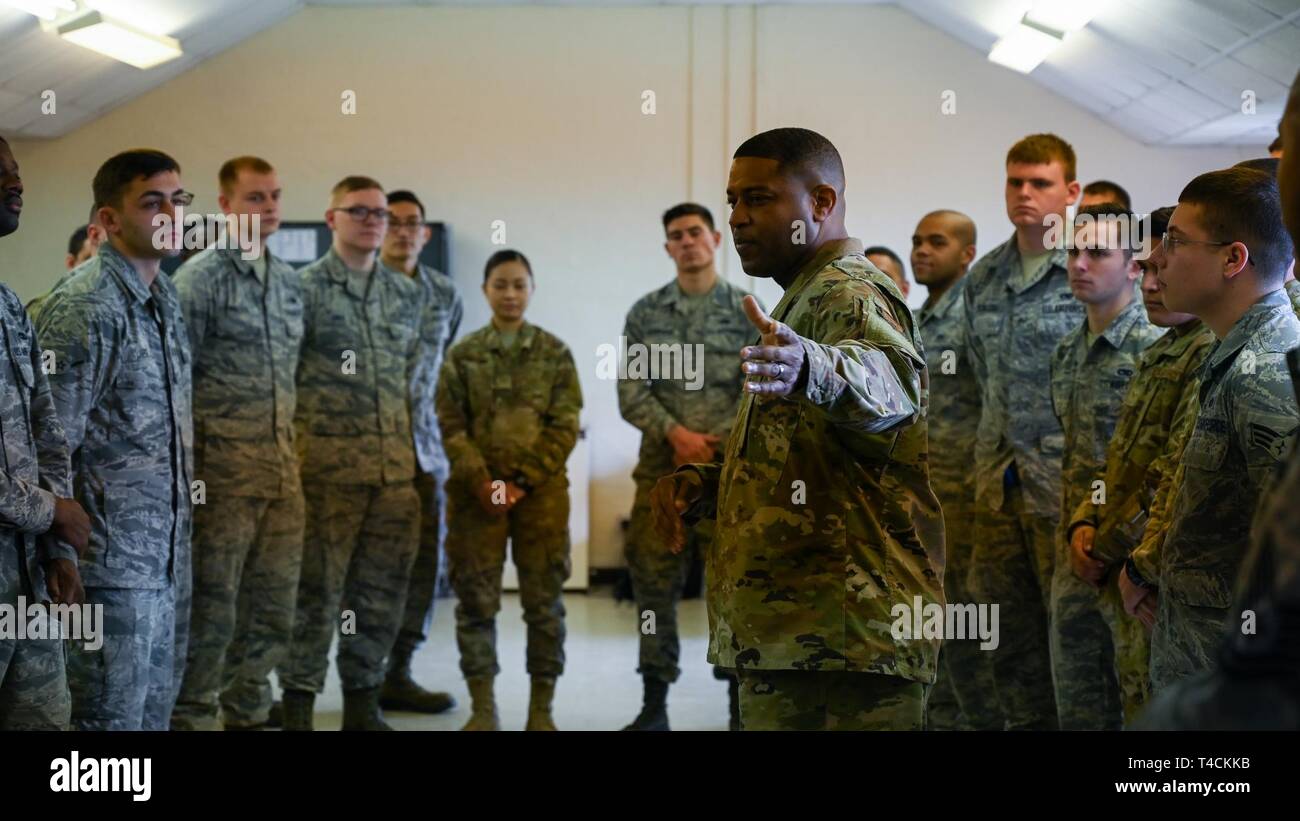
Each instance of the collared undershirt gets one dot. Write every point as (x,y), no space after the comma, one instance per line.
(258,264)
(1029,264)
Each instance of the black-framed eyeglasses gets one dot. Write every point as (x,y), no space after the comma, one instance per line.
(360,213)
(411,222)
(1170,244)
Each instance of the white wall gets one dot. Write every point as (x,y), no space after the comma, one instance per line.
(533,116)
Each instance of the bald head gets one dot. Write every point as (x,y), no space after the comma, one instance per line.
(943,246)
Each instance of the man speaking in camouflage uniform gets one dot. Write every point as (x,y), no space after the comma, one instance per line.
(1018,306)
(1091,368)
(828,534)
(406,236)
(360,349)
(943,245)
(121,383)
(41,527)
(1225,256)
(683,417)
(245,324)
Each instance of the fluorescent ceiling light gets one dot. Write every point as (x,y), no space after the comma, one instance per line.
(1062,15)
(44,9)
(1024,47)
(119,40)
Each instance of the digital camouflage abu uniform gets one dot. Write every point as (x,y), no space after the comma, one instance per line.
(1089,381)
(121,383)
(34,472)
(1247,424)
(509,409)
(703,401)
(1253,685)
(446,309)
(1160,399)
(826,524)
(361,345)
(962,697)
(245,327)
(1013,323)
(1145,558)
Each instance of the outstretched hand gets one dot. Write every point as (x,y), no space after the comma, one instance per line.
(780,356)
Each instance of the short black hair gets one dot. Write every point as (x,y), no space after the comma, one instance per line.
(1264,165)
(402,195)
(797,148)
(885,252)
(1113,191)
(1160,220)
(119,171)
(77,240)
(1276,145)
(507,255)
(687,209)
(1243,205)
(1111,210)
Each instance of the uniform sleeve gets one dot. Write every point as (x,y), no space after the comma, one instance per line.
(467,463)
(973,344)
(1265,418)
(25,506)
(195,293)
(457,315)
(53,454)
(867,376)
(81,343)
(559,431)
(706,507)
(636,401)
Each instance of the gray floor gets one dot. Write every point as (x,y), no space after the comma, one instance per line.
(600,689)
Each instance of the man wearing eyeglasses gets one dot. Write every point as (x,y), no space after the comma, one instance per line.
(361,344)
(1224,258)
(244,318)
(406,237)
(121,383)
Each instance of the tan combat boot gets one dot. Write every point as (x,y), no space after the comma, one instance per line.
(483,710)
(539,704)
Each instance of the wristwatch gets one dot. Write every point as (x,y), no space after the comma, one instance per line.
(1136,577)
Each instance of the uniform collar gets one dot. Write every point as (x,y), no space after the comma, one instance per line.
(1009,265)
(245,266)
(341,274)
(944,305)
(1256,316)
(674,296)
(1124,322)
(524,336)
(124,273)
(832,250)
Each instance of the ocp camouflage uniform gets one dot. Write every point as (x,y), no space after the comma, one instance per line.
(1089,382)
(1247,423)
(1161,399)
(962,697)
(245,330)
(36,470)
(121,384)
(509,413)
(360,348)
(655,403)
(826,523)
(1012,323)
(446,309)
